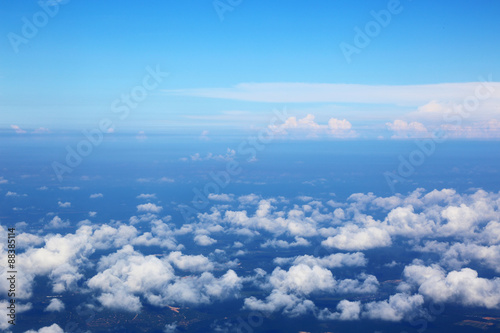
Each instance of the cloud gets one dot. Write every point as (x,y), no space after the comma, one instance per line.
(17,129)
(149,207)
(285,92)
(299,241)
(14,194)
(463,287)
(220,197)
(346,310)
(351,237)
(57,223)
(405,130)
(308,127)
(55,305)
(96,195)
(146,196)
(204,240)
(3,180)
(54,328)
(64,204)
(399,307)
(332,261)
(70,188)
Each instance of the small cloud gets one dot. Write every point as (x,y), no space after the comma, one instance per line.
(15,194)
(41,130)
(204,240)
(57,223)
(17,129)
(55,305)
(42,188)
(149,208)
(204,136)
(69,188)
(64,204)
(3,180)
(141,136)
(166,180)
(92,214)
(146,196)
(96,195)
(405,130)
(220,197)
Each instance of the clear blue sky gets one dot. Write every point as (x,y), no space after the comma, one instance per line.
(91,52)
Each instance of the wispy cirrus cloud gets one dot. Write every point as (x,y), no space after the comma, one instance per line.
(296,92)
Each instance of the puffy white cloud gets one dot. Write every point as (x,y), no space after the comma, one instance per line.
(346,310)
(64,204)
(57,222)
(299,241)
(204,240)
(291,305)
(352,237)
(399,306)
(191,263)
(307,126)
(149,208)
(4,319)
(96,195)
(54,328)
(463,287)
(332,261)
(55,305)
(405,130)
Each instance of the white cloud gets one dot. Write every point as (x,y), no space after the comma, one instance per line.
(54,328)
(308,127)
(55,305)
(149,207)
(204,240)
(96,195)
(405,130)
(69,188)
(220,197)
(64,204)
(351,237)
(399,306)
(463,287)
(57,222)
(146,196)
(277,92)
(17,129)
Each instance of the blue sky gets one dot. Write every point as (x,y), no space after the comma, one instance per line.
(67,75)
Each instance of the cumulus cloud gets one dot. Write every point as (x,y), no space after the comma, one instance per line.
(351,237)
(149,208)
(54,328)
(64,204)
(96,195)
(463,287)
(398,307)
(308,127)
(204,240)
(55,305)
(405,130)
